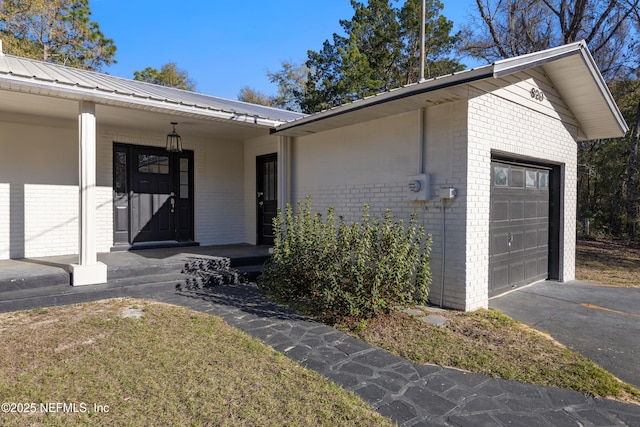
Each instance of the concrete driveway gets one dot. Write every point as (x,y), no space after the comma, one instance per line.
(599,322)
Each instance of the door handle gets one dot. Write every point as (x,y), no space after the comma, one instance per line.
(261,203)
(510,239)
(173,202)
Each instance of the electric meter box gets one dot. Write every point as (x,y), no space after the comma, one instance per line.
(418,187)
(447,193)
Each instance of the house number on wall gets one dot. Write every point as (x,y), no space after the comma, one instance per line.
(537,94)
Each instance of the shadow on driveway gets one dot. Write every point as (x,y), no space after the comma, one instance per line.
(600,322)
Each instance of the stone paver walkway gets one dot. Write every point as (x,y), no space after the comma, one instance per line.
(412,395)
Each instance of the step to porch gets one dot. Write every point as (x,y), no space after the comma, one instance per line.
(33,283)
(42,297)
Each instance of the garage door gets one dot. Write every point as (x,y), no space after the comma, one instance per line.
(519,225)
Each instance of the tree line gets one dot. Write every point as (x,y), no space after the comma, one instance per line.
(379,49)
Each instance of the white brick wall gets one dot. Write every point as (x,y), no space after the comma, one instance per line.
(369,163)
(501,125)
(5,221)
(348,200)
(445,159)
(50,220)
(38,188)
(42,220)
(104,218)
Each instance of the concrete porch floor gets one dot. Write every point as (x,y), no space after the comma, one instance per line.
(27,274)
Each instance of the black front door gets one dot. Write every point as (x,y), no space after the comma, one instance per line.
(153,201)
(267,196)
(152,195)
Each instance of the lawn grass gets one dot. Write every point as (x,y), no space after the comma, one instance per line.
(611,262)
(488,342)
(172,366)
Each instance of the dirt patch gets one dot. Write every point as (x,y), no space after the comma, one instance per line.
(611,262)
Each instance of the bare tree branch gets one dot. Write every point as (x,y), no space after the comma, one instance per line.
(575,25)
(619,23)
(492,29)
(596,27)
(551,8)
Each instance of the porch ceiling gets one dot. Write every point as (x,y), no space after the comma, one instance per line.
(26,108)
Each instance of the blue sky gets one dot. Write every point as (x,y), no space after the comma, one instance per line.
(225,45)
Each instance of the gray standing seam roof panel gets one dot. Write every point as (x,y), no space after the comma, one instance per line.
(63,76)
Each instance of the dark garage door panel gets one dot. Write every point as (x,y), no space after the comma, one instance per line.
(519,225)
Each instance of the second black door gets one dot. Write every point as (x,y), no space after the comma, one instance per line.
(266,196)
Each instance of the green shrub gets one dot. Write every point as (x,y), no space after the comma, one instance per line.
(358,270)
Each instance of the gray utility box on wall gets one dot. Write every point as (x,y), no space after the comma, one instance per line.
(448,193)
(418,187)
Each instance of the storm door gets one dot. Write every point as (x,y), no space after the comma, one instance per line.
(267,196)
(153,191)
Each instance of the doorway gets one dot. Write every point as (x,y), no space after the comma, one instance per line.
(266,197)
(153,195)
(523,227)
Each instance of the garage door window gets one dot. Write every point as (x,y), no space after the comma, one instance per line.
(517,178)
(531,179)
(501,176)
(543,178)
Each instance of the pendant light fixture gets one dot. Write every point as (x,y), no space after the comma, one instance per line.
(174,141)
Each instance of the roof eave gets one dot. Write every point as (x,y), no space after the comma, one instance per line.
(509,66)
(392,95)
(79,93)
(502,68)
(505,67)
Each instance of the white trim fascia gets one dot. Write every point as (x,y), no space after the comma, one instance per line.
(394,94)
(505,67)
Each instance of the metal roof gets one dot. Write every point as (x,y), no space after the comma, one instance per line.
(27,75)
(403,99)
(570,68)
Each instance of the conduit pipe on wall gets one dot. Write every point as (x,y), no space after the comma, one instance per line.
(423,139)
(446,194)
(444,249)
(423,18)
(284,171)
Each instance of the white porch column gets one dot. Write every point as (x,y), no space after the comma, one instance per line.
(88,271)
(284,167)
